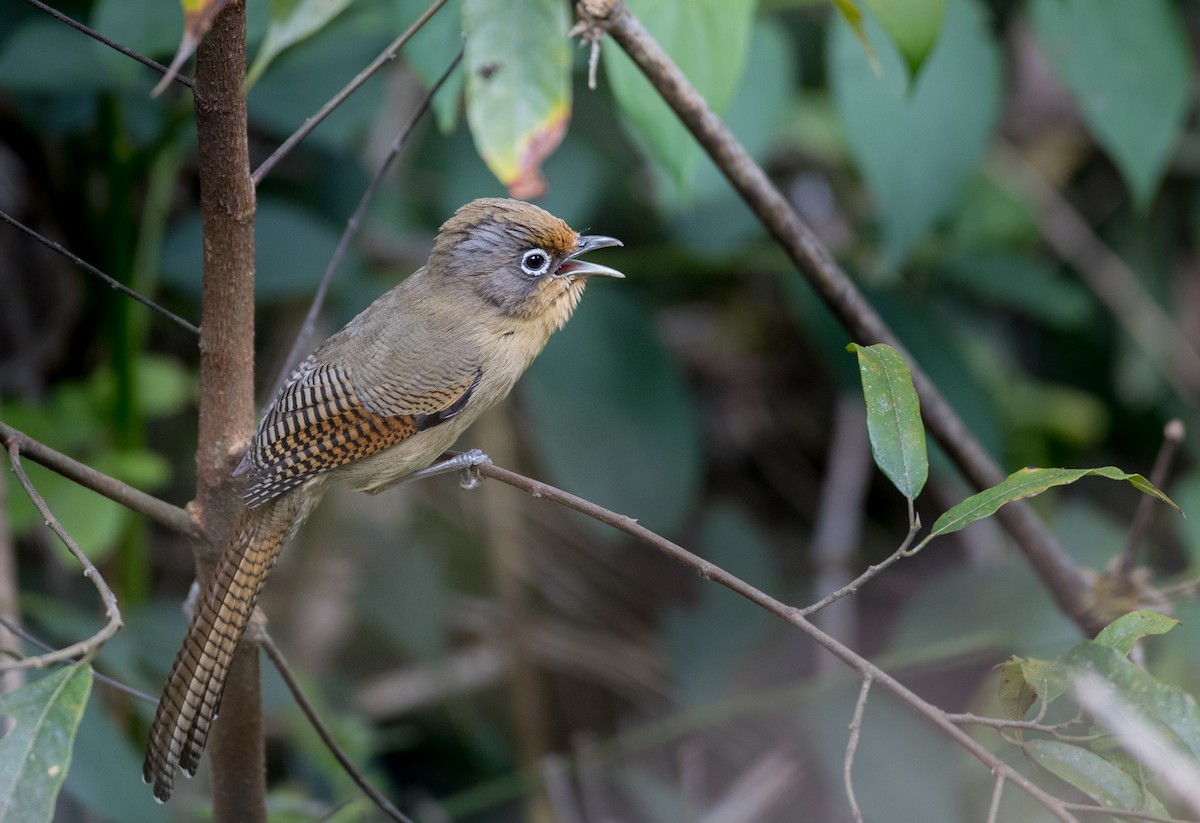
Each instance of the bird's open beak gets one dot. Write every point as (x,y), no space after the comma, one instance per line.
(571,267)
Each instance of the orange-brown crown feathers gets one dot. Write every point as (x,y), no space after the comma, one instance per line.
(518,258)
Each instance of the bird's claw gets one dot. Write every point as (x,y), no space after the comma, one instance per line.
(468,474)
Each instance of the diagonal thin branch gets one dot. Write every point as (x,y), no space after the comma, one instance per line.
(103,678)
(872,571)
(386,56)
(157,510)
(112,44)
(91,645)
(281,665)
(709,571)
(90,269)
(1173,433)
(353,224)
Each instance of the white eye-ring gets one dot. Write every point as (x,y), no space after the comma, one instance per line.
(535,262)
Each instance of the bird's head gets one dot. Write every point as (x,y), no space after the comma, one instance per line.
(518,258)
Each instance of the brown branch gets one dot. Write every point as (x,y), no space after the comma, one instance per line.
(112,44)
(994,806)
(95,272)
(306,707)
(1058,572)
(86,648)
(226,413)
(386,56)
(709,571)
(157,510)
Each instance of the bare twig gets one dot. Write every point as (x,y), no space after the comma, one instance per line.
(90,269)
(708,571)
(157,510)
(112,44)
(103,678)
(872,571)
(968,719)
(1177,770)
(363,76)
(852,746)
(352,226)
(1173,433)
(997,792)
(755,791)
(1058,572)
(90,646)
(281,665)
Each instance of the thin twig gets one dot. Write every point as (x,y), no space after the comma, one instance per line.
(1173,433)
(363,76)
(997,792)
(353,224)
(103,678)
(281,665)
(90,269)
(157,510)
(87,648)
(1057,570)
(872,571)
(112,44)
(852,746)
(968,719)
(709,571)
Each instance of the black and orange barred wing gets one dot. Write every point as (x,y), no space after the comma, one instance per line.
(320,420)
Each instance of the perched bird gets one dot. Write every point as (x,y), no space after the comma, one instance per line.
(377,402)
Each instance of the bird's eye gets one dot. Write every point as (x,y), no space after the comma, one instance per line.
(535,262)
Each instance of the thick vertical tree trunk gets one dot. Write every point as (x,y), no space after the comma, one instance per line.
(227,384)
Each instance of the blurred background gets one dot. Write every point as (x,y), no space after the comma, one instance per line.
(1018,194)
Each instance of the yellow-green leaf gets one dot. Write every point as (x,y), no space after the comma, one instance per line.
(518,65)
(913,25)
(1127,629)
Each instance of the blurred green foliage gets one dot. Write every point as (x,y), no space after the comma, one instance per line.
(695,396)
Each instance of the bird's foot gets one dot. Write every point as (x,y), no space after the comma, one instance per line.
(465,463)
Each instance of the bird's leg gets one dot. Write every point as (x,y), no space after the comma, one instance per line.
(464,462)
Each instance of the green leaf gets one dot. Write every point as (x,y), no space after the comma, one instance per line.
(36,753)
(1030,482)
(913,26)
(1096,777)
(1167,707)
(1127,629)
(1129,68)
(917,144)
(518,65)
(292,21)
(708,40)
(893,417)
(606,392)
(1014,692)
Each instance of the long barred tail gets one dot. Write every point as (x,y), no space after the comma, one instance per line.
(192,696)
